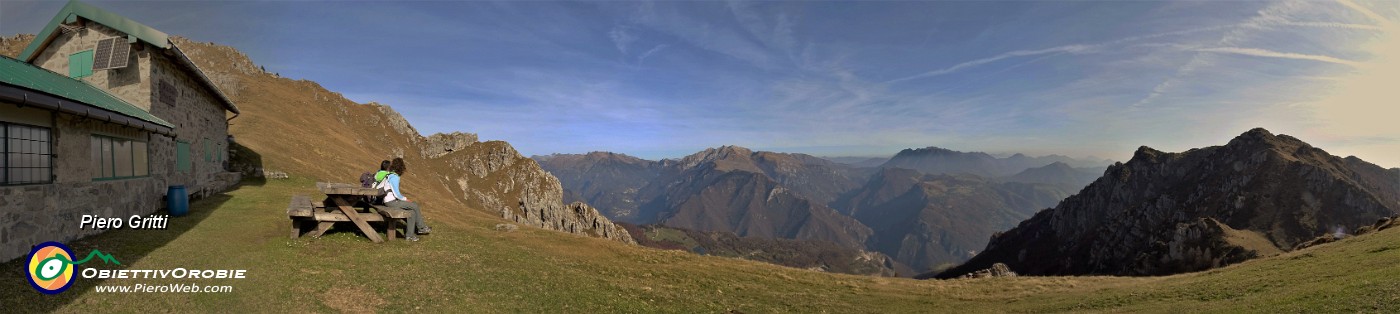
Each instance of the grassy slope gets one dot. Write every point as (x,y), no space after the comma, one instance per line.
(472,266)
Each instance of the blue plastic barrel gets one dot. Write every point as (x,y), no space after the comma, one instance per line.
(177,201)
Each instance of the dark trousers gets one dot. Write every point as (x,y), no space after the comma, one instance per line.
(415,223)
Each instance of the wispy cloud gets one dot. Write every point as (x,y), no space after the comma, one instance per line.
(1003,56)
(1365,11)
(1275,54)
(621,38)
(649,52)
(1075,49)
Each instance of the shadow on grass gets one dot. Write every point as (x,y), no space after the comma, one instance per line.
(126,245)
(248,162)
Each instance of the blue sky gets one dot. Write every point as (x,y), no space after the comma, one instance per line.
(665,79)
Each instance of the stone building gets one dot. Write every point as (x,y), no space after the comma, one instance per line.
(101,115)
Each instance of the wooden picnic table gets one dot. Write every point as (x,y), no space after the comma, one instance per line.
(340,206)
(344,196)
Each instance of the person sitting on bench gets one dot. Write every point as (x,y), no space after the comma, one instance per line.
(396,199)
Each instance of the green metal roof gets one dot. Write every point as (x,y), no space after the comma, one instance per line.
(71,12)
(75,9)
(28,76)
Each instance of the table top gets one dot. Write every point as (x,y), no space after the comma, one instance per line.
(347,189)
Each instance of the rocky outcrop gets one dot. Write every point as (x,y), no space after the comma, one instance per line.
(12,46)
(1381,224)
(997,270)
(440,144)
(576,218)
(1165,213)
(493,176)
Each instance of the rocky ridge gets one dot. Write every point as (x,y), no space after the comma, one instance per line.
(1165,213)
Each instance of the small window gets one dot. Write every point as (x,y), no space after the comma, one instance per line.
(25,156)
(118,158)
(80,64)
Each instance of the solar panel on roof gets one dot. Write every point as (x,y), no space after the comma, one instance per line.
(111,53)
(102,58)
(121,51)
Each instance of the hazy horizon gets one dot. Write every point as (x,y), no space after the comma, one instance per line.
(665,79)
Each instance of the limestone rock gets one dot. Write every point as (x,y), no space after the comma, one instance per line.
(440,144)
(506,227)
(997,270)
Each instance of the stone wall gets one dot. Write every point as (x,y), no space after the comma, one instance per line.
(32,214)
(199,119)
(50,212)
(132,83)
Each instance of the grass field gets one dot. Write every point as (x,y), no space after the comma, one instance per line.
(471,266)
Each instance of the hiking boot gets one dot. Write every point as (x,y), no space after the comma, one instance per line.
(425,230)
(411,238)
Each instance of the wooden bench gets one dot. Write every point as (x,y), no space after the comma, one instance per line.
(306,213)
(393,218)
(301,210)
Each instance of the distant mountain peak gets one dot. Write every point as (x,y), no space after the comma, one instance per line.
(1258,132)
(1146,153)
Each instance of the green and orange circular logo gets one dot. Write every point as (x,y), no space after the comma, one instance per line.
(51,267)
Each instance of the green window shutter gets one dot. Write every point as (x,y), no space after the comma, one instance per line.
(80,64)
(207,153)
(182,157)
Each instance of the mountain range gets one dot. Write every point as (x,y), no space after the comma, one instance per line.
(922,220)
(1165,213)
(926,220)
(934,160)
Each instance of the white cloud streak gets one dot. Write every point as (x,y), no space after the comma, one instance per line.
(1364,11)
(1076,48)
(1275,54)
(651,51)
(1003,56)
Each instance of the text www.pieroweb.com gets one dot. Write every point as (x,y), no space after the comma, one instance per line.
(165,288)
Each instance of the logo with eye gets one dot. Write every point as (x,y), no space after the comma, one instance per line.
(51,266)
